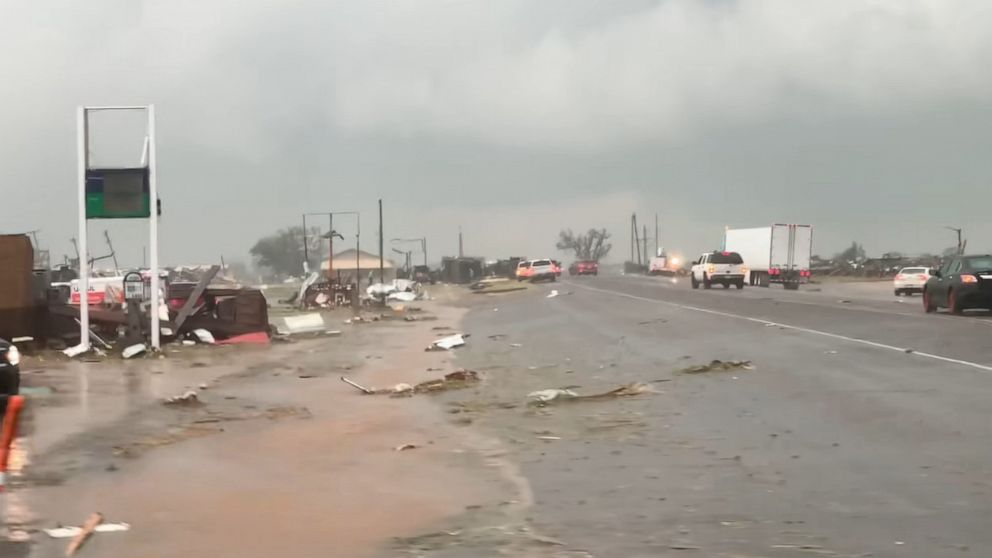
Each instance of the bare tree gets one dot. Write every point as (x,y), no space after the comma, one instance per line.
(591,246)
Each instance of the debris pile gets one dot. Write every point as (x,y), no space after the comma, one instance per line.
(459,379)
(561,395)
(718,366)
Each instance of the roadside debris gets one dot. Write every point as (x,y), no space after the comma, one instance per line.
(456,380)
(75,351)
(67,532)
(405,447)
(552,294)
(186,399)
(718,366)
(134,350)
(448,343)
(545,396)
(87,529)
(204,336)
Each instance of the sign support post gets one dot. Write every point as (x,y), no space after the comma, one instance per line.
(117,193)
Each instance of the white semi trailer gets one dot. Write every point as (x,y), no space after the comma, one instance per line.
(774,254)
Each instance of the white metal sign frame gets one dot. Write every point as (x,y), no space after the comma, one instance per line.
(82,146)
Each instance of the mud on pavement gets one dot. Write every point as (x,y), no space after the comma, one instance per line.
(272,452)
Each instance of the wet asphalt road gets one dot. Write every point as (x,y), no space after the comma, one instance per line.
(840,442)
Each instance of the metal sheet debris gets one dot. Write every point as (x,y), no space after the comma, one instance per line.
(69,532)
(448,343)
(556,395)
(718,366)
(134,350)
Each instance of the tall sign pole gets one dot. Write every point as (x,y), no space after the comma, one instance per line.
(153,225)
(82,153)
(117,193)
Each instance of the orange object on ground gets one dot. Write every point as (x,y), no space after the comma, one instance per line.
(258,338)
(8,432)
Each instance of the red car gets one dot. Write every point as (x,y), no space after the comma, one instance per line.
(584,268)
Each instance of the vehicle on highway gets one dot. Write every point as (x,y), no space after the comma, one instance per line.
(774,254)
(910,280)
(524,270)
(556,266)
(961,283)
(543,270)
(584,267)
(722,267)
(10,371)
(662,264)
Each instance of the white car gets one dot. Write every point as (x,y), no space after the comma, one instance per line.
(725,268)
(910,280)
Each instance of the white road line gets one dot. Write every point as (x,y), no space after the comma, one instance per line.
(792,327)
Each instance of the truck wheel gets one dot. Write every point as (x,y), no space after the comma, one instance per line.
(707,284)
(928,306)
(695,284)
(726,285)
(740,284)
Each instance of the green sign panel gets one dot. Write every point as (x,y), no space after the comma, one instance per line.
(117,193)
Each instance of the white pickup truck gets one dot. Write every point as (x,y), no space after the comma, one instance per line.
(724,268)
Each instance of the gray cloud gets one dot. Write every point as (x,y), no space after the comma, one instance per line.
(866,118)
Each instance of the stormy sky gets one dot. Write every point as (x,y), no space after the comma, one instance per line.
(869,119)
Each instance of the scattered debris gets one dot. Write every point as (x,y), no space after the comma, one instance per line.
(549,438)
(553,293)
(844,301)
(516,345)
(73,352)
(448,343)
(497,336)
(402,296)
(186,399)
(405,447)
(87,529)
(204,336)
(188,342)
(402,389)
(546,396)
(68,532)
(718,366)
(257,338)
(363,389)
(134,350)
(456,380)
(908,351)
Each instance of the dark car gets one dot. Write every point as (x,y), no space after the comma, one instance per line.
(10,371)
(962,282)
(584,268)
(423,274)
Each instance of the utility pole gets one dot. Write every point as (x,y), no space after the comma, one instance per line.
(382,264)
(461,246)
(632,235)
(960,245)
(646,259)
(306,249)
(656,235)
(637,240)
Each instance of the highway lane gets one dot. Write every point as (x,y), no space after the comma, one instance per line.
(838,443)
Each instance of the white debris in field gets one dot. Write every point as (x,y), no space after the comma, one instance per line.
(204,336)
(188,398)
(69,532)
(73,352)
(553,293)
(134,350)
(405,447)
(402,296)
(400,389)
(188,342)
(516,345)
(448,343)
(545,395)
